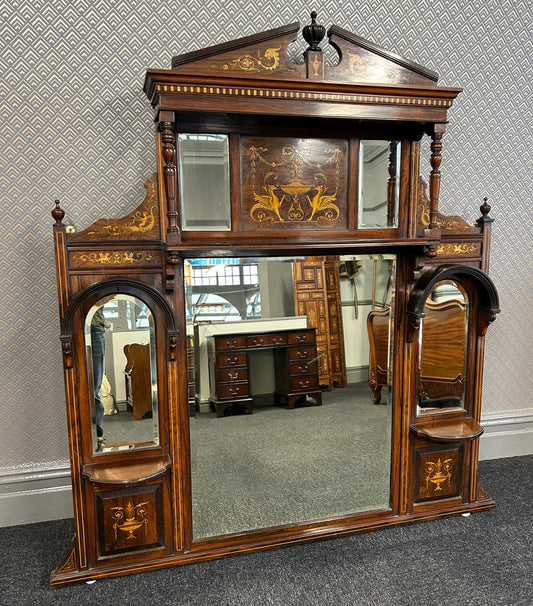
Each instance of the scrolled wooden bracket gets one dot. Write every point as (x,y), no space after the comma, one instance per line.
(172,346)
(486,318)
(413,324)
(173,259)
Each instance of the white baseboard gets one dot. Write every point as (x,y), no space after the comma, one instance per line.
(35,496)
(507,434)
(42,495)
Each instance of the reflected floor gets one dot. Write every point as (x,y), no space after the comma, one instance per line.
(281,466)
(121,428)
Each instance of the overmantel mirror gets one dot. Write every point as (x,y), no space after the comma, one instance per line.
(269,320)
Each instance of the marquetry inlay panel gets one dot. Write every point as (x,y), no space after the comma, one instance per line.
(116,258)
(130,519)
(459,249)
(438,473)
(291,183)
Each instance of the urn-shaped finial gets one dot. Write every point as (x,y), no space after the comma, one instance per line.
(58,213)
(314,33)
(485,208)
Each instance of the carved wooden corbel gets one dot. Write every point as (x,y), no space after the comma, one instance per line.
(66,346)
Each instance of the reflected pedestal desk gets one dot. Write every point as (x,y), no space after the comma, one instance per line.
(295,364)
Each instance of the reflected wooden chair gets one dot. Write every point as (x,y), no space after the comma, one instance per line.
(138,379)
(377,324)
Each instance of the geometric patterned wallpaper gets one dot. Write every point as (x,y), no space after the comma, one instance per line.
(75,125)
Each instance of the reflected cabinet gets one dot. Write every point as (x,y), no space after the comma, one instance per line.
(284,340)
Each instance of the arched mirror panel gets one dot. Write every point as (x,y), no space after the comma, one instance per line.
(443,347)
(121,374)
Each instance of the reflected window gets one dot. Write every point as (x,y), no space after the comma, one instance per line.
(379,183)
(122,374)
(222,289)
(204,182)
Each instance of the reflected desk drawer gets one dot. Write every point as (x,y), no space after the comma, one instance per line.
(230,360)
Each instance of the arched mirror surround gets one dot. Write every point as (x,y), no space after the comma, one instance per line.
(122,374)
(137,320)
(464,300)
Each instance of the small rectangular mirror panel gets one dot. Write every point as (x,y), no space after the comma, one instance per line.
(204,182)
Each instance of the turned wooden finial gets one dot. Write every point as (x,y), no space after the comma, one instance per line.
(314,33)
(58,214)
(484,221)
(313,56)
(485,208)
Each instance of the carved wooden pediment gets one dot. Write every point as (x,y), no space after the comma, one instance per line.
(266,55)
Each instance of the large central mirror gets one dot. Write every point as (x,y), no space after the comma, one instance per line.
(122,377)
(263,455)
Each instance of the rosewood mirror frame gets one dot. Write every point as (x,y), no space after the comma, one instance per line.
(133,510)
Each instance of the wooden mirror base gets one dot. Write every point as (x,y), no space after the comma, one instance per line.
(217,547)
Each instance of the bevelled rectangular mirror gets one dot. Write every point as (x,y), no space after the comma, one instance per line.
(379,183)
(204,182)
(273,441)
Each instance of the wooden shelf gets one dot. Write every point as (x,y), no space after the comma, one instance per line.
(448,430)
(127,472)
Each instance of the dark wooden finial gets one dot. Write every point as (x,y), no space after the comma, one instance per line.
(484,221)
(58,214)
(314,33)
(485,208)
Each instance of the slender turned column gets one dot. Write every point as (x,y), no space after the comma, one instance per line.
(168,148)
(391,184)
(433,230)
(434,179)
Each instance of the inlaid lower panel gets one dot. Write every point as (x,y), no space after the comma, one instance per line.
(130,520)
(438,472)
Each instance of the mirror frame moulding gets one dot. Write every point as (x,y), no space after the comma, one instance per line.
(73,357)
(488,300)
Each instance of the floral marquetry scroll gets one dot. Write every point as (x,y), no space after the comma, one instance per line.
(293,183)
(141,224)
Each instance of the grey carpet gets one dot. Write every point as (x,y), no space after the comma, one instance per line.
(279,466)
(482,560)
